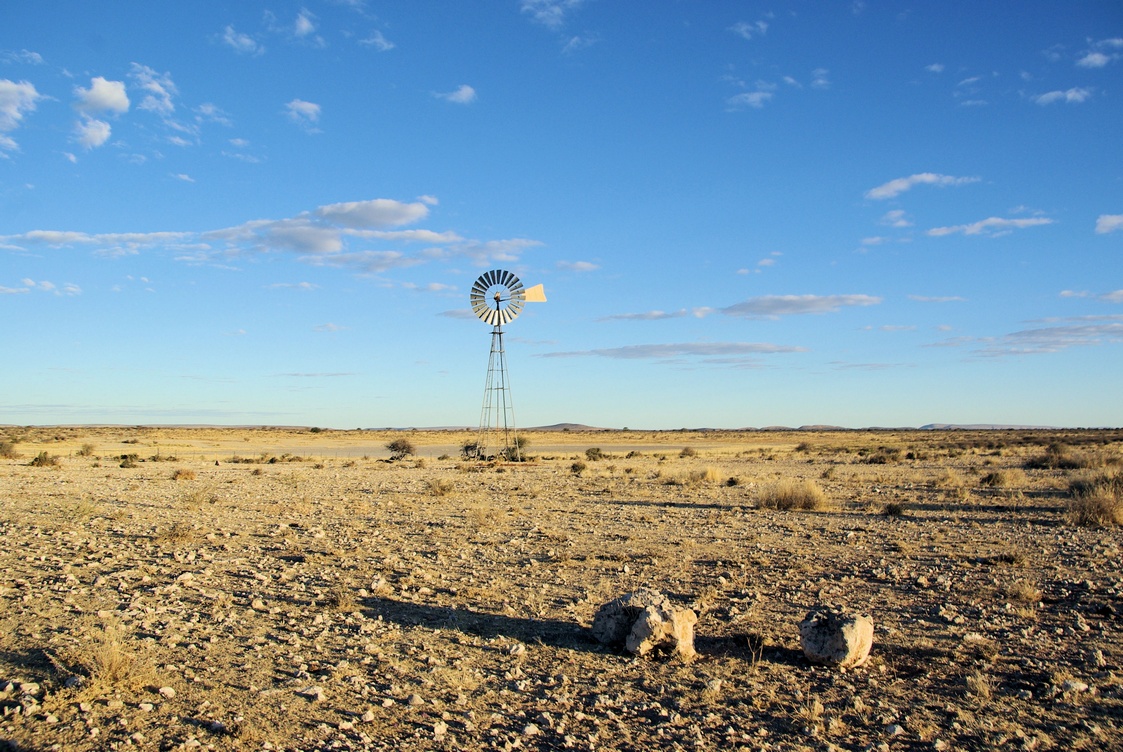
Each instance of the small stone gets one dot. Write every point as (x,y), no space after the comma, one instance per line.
(531,730)
(894,729)
(167,692)
(346,725)
(1074,685)
(147,707)
(257,604)
(368,717)
(315,694)
(387,702)
(440,728)
(415,700)
(51,718)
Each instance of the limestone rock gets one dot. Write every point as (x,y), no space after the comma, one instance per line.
(644,621)
(833,637)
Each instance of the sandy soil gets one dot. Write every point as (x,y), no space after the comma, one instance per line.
(281,589)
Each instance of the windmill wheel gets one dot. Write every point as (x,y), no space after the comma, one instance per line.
(497,297)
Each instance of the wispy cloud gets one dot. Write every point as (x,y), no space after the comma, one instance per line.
(326,236)
(305,114)
(328,327)
(25,57)
(1101,53)
(659,315)
(772,306)
(1068,96)
(577,266)
(754,99)
(680,350)
(1116,296)
(378,41)
(897,186)
(16,101)
(991,226)
(464,94)
(749,29)
(30,285)
(550,13)
(1052,339)
(937,299)
(241,43)
(1106,223)
(935,68)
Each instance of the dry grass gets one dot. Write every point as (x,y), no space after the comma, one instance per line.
(183,474)
(1096,500)
(793,494)
(109,662)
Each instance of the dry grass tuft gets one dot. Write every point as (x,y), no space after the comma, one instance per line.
(341,599)
(790,494)
(441,487)
(43,459)
(183,474)
(1096,500)
(109,663)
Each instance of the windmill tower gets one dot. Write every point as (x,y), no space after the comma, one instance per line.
(497,297)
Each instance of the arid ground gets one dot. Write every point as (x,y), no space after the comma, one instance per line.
(288,589)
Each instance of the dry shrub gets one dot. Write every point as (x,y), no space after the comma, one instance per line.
(791,494)
(1023,591)
(1002,479)
(8,451)
(980,687)
(87,450)
(183,474)
(441,486)
(1096,500)
(109,663)
(341,599)
(177,535)
(44,460)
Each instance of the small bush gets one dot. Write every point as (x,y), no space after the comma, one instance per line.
(578,467)
(592,454)
(688,452)
(87,450)
(789,494)
(400,449)
(8,450)
(44,460)
(893,509)
(1002,479)
(129,460)
(183,474)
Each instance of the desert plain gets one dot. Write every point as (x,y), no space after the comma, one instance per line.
(296,589)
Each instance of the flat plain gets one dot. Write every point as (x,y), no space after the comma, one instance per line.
(180,588)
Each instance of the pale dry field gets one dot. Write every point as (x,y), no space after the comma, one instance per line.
(305,593)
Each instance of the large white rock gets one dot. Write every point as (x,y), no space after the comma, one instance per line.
(646,621)
(833,637)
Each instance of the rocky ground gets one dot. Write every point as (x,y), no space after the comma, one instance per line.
(269,589)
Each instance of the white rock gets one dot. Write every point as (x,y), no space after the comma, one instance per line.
(834,638)
(643,621)
(167,692)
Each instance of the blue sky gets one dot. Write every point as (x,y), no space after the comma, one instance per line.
(744,214)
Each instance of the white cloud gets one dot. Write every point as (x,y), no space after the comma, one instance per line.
(819,79)
(376,40)
(465,94)
(184,177)
(241,43)
(577,266)
(897,186)
(935,68)
(304,114)
(379,212)
(102,96)
(1101,53)
(91,133)
(328,327)
(16,100)
(1106,223)
(991,226)
(754,99)
(1070,96)
(896,218)
(551,13)
(1115,296)
(304,24)
(23,56)
(680,350)
(158,89)
(367,262)
(748,30)
(937,299)
(785,305)
(1052,339)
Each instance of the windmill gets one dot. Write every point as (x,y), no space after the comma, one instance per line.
(497,297)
